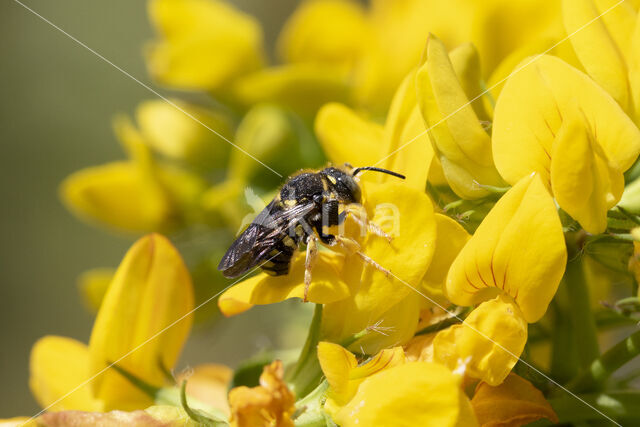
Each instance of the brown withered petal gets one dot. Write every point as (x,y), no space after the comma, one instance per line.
(99,419)
(270,404)
(514,403)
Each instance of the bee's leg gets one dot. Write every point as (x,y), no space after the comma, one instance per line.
(354,247)
(312,255)
(356,212)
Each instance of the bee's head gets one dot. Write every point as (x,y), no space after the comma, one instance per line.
(345,183)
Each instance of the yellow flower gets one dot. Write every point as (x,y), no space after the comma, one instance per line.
(487,345)
(325,32)
(186,132)
(450,239)
(372,144)
(515,259)
(203,44)
(139,195)
(388,390)
(461,143)
(356,294)
(142,325)
(331,50)
(554,120)
(269,404)
(609,47)
(515,402)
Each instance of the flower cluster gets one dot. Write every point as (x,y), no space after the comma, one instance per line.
(473,296)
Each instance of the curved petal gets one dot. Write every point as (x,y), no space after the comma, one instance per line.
(185,133)
(601,41)
(406,147)
(395,326)
(407,215)
(337,363)
(143,322)
(203,44)
(451,238)
(346,137)
(489,342)
(530,111)
(325,31)
(60,371)
(465,61)
(460,142)
(118,195)
(414,393)
(583,181)
(518,249)
(327,286)
(634,69)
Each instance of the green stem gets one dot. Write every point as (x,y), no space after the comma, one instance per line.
(582,321)
(310,408)
(564,351)
(600,369)
(617,405)
(306,373)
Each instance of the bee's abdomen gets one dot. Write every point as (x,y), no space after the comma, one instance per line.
(279,259)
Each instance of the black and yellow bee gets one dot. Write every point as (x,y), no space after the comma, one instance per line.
(306,205)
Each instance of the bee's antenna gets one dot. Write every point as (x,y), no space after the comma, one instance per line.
(371,168)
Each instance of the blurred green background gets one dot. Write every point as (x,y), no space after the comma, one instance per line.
(58,100)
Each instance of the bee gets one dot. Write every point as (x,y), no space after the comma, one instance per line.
(305,206)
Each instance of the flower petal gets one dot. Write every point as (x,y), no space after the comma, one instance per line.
(325,31)
(634,69)
(518,249)
(326,287)
(269,404)
(465,61)
(601,41)
(460,142)
(208,384)
(185,133)
(302,87)
(407,215)
(489,342)
(93,285)
(204,43)
(406,146)
(583,181)
(346,137)
(143,322)
(451,238)
(118,195)
(515,402)
(530,111)
(112,418)
(60,370)
(337,363)
(415,393)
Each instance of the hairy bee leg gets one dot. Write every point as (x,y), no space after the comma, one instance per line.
(312,255)
(374,264)
(353,247)
(364,222)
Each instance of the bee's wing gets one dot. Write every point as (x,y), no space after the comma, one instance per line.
(256,242)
